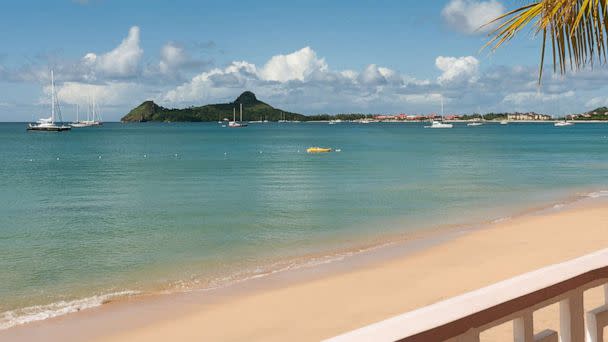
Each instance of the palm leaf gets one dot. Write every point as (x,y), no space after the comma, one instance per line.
(577,29)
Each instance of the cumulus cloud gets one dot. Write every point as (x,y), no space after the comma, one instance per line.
(299,65)
(214,83)
(172,56)
(110,94)
(122,61)
(301,73)
(468,16)
(528,97)
(457,69)
(598,101)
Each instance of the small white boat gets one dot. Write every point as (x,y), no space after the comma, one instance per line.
(475,124)
(364,121)
(563,123)
(50,124)
(439,124)
(504,122)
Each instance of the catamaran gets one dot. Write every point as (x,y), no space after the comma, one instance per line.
(440,124)
(233,123)
(50,124)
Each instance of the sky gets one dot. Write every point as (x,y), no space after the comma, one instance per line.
(302,56)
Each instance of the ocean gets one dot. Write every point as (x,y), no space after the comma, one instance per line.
(125,209)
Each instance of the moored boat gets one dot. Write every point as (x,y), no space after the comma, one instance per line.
(316,149)
(50,124)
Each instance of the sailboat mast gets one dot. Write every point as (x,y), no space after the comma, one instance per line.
(233,114)
(52,97)
(442,107)
(241,120)
(77,112)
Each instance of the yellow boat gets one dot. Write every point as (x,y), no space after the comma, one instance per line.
(318,150)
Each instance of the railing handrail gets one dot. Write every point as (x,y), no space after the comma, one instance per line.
(455,316)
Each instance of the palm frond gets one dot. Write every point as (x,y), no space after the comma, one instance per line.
(577,29)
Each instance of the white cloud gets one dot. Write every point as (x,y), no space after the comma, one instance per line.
(425,99)
(214,83)
(299,65)
(457,69)
(467,16)
(172,56)
(598,101)
(528,97)
(109,94)
(122,61)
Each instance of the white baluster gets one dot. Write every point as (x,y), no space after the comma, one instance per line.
(523,328)
(572,321)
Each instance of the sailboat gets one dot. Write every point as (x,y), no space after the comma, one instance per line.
(440,124)
(282,117)
(96,118)
(563,123)
(233,123)
(475,121)
(50,124)
(81,124)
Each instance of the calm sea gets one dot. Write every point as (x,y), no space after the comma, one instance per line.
(125,208)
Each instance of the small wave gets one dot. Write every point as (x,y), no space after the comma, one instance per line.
(34,313)
(501,219)
(597,194)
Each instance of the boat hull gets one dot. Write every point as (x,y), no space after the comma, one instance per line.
(49,129)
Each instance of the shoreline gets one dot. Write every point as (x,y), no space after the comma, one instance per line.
(192,301)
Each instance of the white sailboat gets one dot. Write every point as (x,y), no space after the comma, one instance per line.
(475,122)
(282,118)
(440,124)
(50,124)
(78,123)
(95,116)
(563,123)
(234,123)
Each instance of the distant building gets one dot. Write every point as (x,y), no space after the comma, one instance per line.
(528,116)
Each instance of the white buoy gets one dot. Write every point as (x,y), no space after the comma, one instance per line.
(57,158)
(176,155)
(31,160)
(99,157)
(145,156)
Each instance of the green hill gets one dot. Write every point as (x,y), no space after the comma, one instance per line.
(253,109)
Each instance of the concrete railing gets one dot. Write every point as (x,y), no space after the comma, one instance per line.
(464,317)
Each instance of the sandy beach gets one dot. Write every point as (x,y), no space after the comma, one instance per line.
(314,304)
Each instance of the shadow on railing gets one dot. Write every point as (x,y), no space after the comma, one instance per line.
(463,318)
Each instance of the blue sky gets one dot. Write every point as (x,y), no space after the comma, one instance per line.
(303,56)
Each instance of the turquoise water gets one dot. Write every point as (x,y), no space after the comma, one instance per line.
(142,207)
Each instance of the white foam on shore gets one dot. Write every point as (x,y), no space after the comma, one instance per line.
(597,194)
(34,313)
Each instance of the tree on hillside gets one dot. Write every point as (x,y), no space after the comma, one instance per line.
(577,31)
